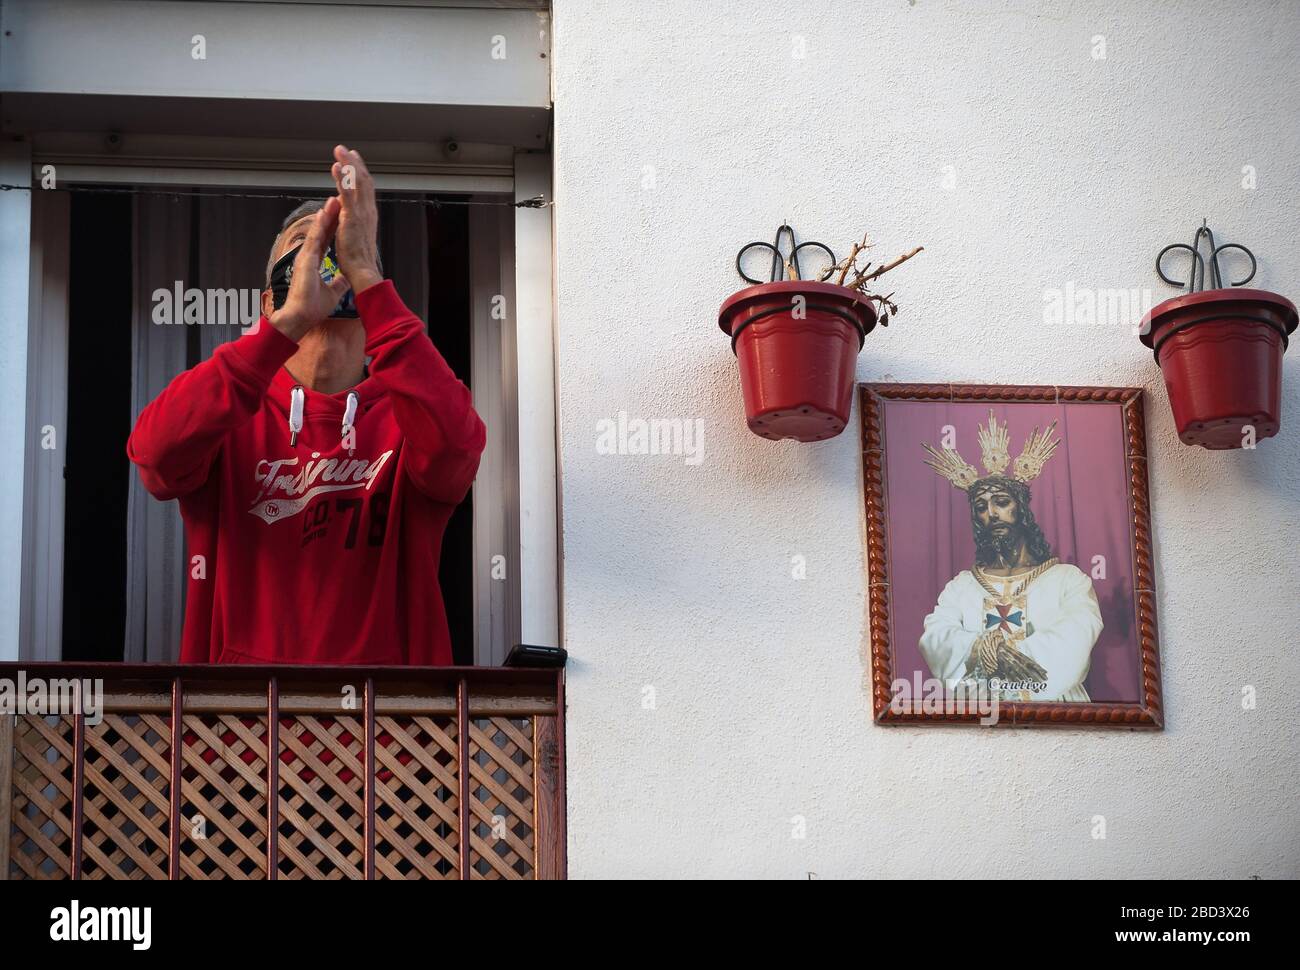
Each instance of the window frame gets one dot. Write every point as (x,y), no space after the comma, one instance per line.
(523,607)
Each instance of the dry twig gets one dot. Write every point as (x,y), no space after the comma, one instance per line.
(849,262)
(892,263)
(863,275)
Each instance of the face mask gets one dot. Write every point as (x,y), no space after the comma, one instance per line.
(282,275)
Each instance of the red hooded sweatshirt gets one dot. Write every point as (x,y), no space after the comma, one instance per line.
(314,552)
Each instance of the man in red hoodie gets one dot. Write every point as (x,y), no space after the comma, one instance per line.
(314,495)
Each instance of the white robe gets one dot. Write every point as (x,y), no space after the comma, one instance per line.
(1062,608)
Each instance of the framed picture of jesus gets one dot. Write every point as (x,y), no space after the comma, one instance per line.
(1009,556)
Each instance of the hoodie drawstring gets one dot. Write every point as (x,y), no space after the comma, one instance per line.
(350,412)
(297,403)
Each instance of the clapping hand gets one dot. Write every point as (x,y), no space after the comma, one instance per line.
(357,240)
(310,299)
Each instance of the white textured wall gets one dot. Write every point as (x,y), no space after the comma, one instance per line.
(1066,169)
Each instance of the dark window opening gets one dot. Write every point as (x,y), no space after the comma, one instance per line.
(99,420)
(100,382)
(448,316)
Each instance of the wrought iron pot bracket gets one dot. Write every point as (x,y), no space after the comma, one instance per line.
(1216,279)
(780,259)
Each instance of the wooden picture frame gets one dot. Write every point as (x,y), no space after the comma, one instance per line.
(1094,477)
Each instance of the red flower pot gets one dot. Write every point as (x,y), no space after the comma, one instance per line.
(1221,355)
(797,357)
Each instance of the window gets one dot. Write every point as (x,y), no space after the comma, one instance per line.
(100,554)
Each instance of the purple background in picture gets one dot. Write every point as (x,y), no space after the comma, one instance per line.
(1080,501)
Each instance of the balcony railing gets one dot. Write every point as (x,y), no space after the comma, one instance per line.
(366,773)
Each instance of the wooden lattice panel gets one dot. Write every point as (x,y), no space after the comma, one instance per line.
(126,799)
(464,777)
(322,798)
(502,822)
(416,798)
(40,836)
(223,797)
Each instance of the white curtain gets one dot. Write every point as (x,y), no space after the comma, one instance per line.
(234,237)
(41,617)
(155,578)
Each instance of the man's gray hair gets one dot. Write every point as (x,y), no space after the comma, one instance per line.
(308,208)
